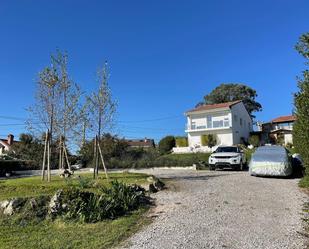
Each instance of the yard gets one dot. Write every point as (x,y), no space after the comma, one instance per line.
(33,186)
(66,234)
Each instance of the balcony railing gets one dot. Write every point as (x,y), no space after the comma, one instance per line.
(204,127)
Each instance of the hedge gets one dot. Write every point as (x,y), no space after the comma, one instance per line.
(16,165)
(171,160)
(181,141)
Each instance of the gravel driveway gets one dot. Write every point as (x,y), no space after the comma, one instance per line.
(224,209)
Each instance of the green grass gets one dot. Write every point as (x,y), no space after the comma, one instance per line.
(58,234)
(33,186)
(61,234)
(304,182)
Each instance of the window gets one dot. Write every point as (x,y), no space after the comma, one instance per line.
(226,122)
(193,126)
(235,117)
(209,124)
(240,121)
(217,124)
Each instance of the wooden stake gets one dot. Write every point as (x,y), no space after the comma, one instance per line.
(48,157)
(44,156)
(102,159)
(66,156)
(60,152)
(94,157)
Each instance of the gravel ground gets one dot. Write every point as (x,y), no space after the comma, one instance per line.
(224,209)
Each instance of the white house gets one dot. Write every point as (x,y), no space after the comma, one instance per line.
(5,144)
(229,122)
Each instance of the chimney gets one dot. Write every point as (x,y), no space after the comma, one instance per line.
(10,139)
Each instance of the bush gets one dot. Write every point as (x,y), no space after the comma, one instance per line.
(109,203)
(208,140)
(301,102)
(16,165)
(166,144)
(75,204)
(254,140)
(170,160)
(181,141)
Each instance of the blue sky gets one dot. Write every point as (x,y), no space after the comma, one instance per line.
(164,55)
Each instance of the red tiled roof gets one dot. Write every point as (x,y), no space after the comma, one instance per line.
(282,119)
(214,106)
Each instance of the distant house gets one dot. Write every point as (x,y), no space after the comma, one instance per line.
(5,144)
(141,143)
(229,122)
(279,130)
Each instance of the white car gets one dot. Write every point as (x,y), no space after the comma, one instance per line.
(227,157)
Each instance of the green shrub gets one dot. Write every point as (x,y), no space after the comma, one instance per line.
(181,141)
(208,140)
(16,165)
(301,102)
(166,144)
(254,140)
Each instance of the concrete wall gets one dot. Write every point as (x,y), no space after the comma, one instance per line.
(241,123)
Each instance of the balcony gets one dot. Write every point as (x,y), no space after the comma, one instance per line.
(192,128)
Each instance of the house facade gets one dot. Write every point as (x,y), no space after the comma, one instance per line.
(278,130)
(5,144)
(230,123)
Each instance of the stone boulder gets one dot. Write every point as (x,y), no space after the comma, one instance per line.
(55,205)
(155,184)
(9,207)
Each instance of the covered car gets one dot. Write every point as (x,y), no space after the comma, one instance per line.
(270,161)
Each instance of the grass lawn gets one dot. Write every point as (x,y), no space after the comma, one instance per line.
(33,186)
(60,234)
(304,182)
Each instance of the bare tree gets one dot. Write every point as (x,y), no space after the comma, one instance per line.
(56,106)
(69,117)
(102,108)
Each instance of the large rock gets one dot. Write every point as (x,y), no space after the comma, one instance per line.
(55,205)
(11,206)
(4,204)
(155,184)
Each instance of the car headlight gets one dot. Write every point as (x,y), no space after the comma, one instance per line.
(235,157)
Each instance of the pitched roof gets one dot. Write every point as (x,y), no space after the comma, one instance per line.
(282,119)
(214,106)
(5,142)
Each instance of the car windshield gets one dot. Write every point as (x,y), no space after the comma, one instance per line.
(226,149)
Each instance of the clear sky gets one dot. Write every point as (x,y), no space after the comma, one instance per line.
(164,55)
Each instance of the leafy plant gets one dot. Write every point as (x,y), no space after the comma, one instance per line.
(166,144)
(254,140)
(208,140)
(301,102)
(181,141)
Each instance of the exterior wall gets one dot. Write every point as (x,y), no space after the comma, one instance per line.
(199,121)
(288,139)
(3,149)
(224,137)
(241,123)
